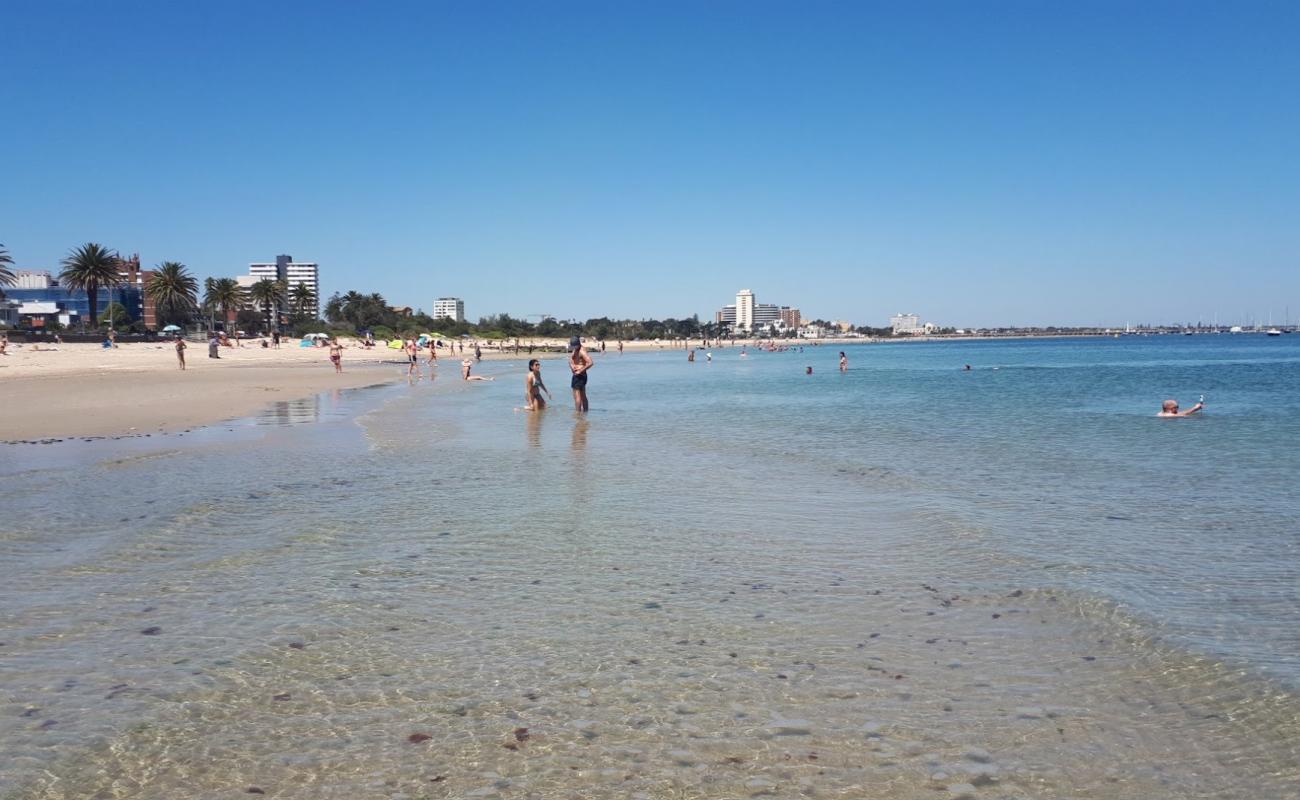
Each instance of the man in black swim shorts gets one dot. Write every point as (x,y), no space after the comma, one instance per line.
(579,363)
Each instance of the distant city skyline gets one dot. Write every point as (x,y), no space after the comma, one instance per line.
(1015,164)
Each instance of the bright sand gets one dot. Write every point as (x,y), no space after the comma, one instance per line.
(86,390)
(83,390)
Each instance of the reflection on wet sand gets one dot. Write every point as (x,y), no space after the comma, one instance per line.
(535,428)
(294,412)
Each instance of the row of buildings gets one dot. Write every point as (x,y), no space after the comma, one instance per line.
(37,299)
(749,315)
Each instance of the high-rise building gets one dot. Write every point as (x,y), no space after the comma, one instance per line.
(749,315)
(744,309)
(293,273)
(452,308)
(33,279)
(906,323)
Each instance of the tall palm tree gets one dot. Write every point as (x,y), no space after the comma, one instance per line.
(225,294)
(173,289)
(7,276)
(269,294)
(302,299)
(90,267)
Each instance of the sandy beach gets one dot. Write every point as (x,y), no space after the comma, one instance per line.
(83,390)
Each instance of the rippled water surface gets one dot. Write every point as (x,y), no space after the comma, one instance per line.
(730,579)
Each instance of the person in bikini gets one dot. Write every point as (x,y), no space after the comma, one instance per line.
(336,355)
(533,387)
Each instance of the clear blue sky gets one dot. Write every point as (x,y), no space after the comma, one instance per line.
(979,163)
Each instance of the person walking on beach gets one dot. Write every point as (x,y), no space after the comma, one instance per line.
(844,362)
(336,355)
(180,350)
(533,387)
(275,339)
(433,353)
(412,357)
(579,363)
(1170,409)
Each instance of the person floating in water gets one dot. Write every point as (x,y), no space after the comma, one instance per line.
(1170,409)
(533,386)
(807,370)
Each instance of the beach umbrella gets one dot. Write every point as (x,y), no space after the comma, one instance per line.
(171,329)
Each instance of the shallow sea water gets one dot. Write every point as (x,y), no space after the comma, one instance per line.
(730,579)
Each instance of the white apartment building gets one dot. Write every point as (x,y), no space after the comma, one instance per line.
(32,279)
(744,309)
(906,323)
(452,308)
(293,273)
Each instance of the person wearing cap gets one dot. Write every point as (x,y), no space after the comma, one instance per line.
(579,363)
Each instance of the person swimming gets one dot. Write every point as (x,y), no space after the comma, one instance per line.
(1169,408)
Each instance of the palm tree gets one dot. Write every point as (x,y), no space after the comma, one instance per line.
(7,276)
(302,299)
(269,294)
(172,289)
(90,267)
(225,294)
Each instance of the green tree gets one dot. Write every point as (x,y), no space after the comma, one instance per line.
(173,291)
(116,314)
(89,267)
(269,296)
(225,295)
(302,300)
(7,276)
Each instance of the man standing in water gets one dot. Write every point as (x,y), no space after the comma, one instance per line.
(579,363)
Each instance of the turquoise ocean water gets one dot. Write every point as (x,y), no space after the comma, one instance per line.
(731,578)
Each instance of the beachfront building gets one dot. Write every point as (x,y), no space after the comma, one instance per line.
(9,313)
(909,324)
(42,301)
(747,314)
(745,310)
(452,308)
(293,273)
